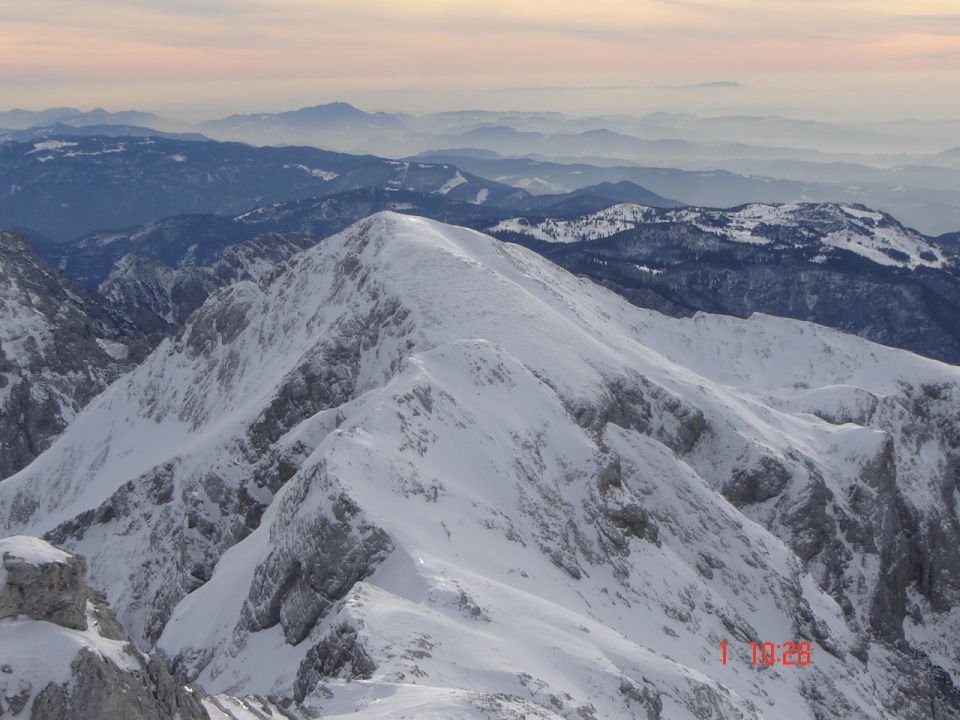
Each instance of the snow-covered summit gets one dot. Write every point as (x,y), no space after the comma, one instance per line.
(591,226)
(420,471)
(854,228)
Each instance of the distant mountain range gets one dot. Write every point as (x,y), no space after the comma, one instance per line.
(509,141)
(55,130)
(949,157)
(66,186)
(900,167)
(22,119)
(883,142)
(329,125)
(931,210)
(800,160)
(843,266)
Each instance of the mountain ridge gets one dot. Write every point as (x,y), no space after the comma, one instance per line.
(375,495)
(823,262)
(841,265)
(68,186)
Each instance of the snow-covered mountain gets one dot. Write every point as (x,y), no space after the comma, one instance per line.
(67,186)
(169,267)
(845,266)
(423,473)
(59,347)
(172,293)
(193,240)
(855,228)
(728,184)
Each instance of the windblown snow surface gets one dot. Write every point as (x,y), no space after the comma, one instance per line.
(424,474)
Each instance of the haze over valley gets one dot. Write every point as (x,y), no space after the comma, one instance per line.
(909,168)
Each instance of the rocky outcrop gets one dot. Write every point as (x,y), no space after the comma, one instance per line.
(300,581)
(62,653)
(140,284)
(340,654)
(42,583)
(100,690)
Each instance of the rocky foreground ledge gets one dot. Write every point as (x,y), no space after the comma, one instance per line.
(64,655)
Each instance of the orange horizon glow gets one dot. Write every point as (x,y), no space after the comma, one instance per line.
(174,51)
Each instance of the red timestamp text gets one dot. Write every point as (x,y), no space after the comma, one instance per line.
(769,653)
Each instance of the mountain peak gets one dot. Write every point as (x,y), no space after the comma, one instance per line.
(337,106)
(845,227)
(424,467)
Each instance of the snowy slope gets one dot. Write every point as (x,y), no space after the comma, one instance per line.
(421,472)
(868,233)
(59,347)
(591,226)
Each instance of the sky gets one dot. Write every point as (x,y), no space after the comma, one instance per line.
(206,58)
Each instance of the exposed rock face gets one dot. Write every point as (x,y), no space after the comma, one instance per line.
(59,347)
(52,589)
(427,457)
(100,690)
(763,481)
(138,284)
(63,653)
(300,581)
(340,654)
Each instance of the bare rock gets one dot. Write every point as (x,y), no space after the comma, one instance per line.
(339,654)
(100,690)
(42,583)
